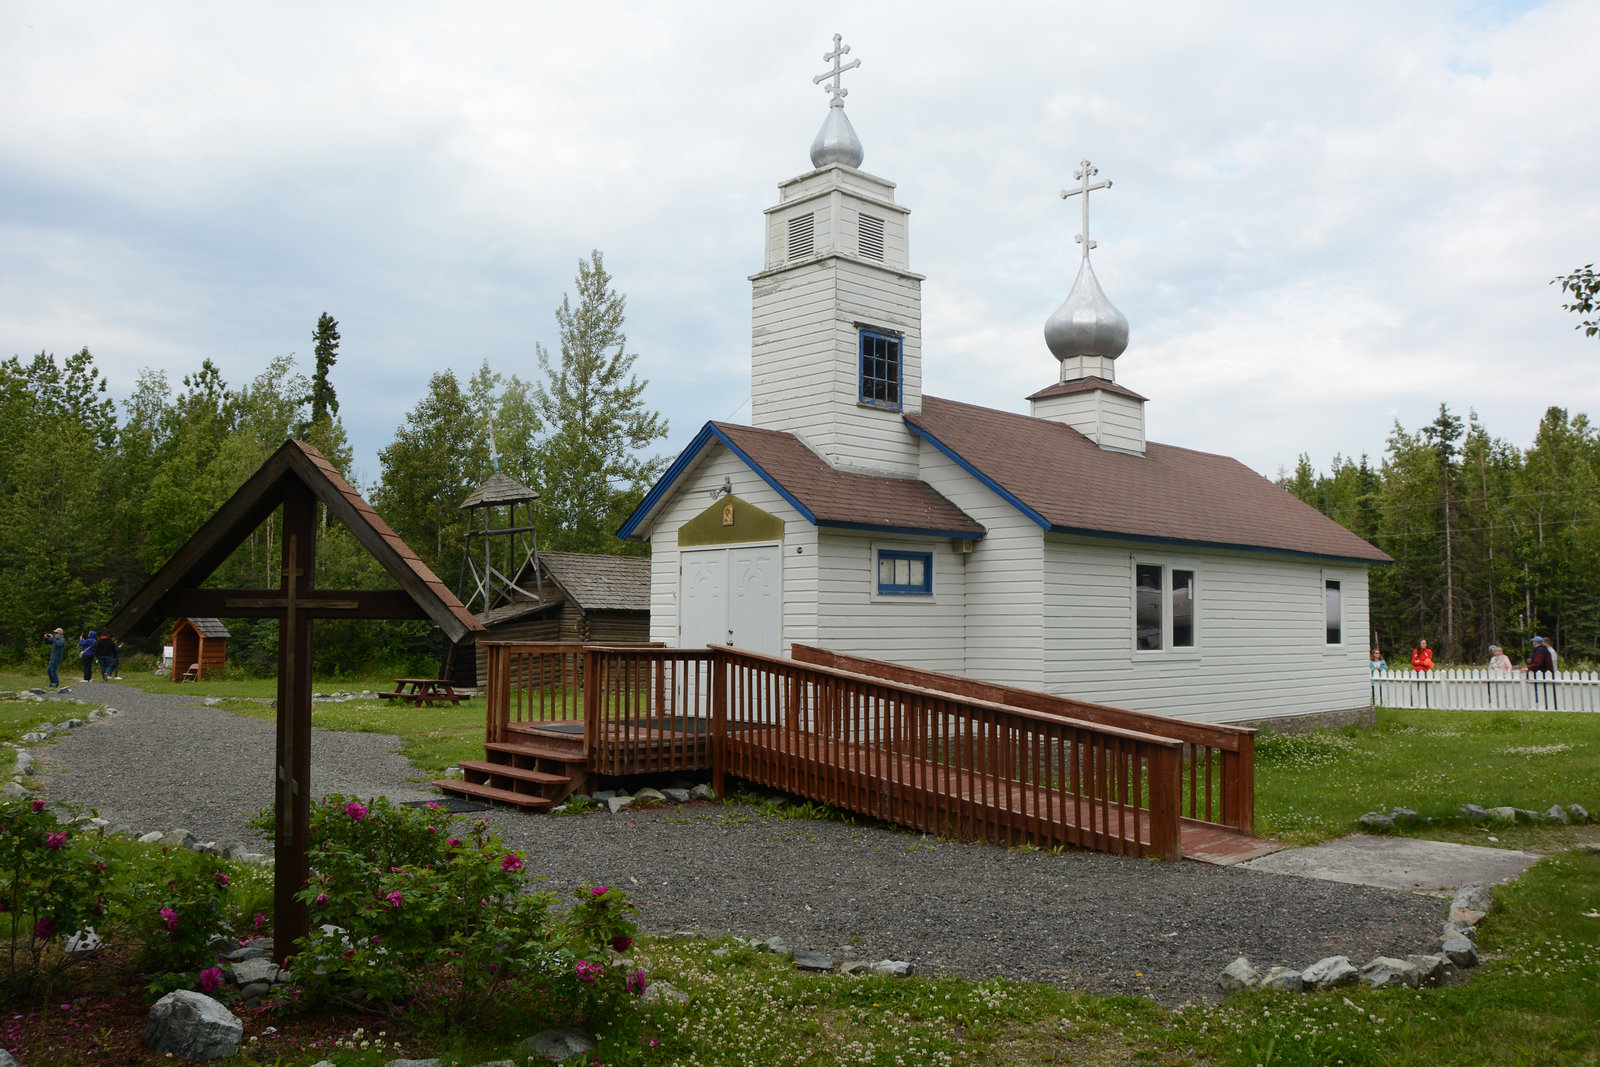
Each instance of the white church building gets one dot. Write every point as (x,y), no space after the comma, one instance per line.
(1057,550)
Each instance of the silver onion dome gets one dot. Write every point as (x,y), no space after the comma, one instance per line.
(1086,324)
(837,142)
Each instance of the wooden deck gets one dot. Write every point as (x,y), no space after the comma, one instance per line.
(947,760)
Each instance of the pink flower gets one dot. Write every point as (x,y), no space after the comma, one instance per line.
(588,971)
(261,921)
(394,898)
(621,943)
(454,842)
(433,829)
(322,898)
(169,918)
(56,840)
(512,862)
(222,879)
(636,982)
(38,805)
(210,979)
(431,804)
(356,810)
(598,890)
(44,929)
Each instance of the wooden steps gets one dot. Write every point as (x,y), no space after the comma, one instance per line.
(535,770)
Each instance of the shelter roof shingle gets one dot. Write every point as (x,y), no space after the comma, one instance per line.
(618,583)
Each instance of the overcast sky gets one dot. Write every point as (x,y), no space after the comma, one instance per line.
(1325,217)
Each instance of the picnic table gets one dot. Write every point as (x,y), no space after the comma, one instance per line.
(420,691)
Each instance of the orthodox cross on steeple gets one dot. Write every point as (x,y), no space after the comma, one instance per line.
(840,50)
(1084,173)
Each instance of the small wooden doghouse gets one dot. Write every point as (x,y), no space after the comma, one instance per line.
(201,644)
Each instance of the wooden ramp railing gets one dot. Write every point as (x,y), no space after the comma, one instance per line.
(943,763)
(1219,762)
(931,751)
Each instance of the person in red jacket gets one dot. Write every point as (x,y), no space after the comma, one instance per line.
(1422,656)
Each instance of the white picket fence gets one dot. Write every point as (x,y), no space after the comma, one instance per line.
(1483,690)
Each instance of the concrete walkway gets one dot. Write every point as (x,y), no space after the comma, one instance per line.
(1398,863)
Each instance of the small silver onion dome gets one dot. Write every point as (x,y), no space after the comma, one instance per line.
(837,142)
(1086,324)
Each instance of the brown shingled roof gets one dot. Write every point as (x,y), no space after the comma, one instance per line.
(594,582)
(1167,494)
(843,498)
(1085,385)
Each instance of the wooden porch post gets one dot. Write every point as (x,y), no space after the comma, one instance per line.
(1239,786)
(1166,790)
(719,721)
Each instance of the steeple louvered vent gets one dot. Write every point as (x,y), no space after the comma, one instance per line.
(801,231)
(871,237)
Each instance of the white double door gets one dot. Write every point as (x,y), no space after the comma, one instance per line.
(732,596)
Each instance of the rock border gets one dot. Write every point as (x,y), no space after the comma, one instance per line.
(1458,950)
(1555,815)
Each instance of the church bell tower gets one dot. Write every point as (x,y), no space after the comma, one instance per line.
(836,339)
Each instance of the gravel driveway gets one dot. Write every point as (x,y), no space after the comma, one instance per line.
(1083,919)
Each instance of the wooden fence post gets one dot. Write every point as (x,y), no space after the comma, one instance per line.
(1166,790)
(719,721)
(593,683)
(496,707)
(1239,786)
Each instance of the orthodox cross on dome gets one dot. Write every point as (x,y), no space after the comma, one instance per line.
(1084,173)
(840,50)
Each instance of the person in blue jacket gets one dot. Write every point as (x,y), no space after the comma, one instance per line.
(58,650)
(86,653)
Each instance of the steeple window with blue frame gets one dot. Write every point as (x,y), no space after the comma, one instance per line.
(882,369)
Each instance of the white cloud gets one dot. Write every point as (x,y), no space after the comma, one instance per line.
(1323,218)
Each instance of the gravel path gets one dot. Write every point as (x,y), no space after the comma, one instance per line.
(1083,919)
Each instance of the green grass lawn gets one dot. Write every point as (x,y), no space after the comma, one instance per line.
(1310,787)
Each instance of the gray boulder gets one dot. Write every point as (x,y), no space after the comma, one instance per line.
(1403,817)
(604,795)
(179,839)
(6,1059)
(1471,903)
(1461,952)
(702,792)
(192,1025)
(855,967)
(806,960)
(1239,975)
(649,794)
(778,946)
(894,968)
(1578,812)
(664,993)
(15,791)
(619,804)
(1458,929)
(1372,820)
(151,838)
(1503,814)
(1331,971)
(246,972)
(1474,813)
(1590,848)
(558,1046)
(1528,816)
(678,796)
(1285,978)
(1557,814)
(1430,969)
(24,762)
(1387,970)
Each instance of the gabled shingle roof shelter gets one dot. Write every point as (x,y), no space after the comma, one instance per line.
(1067,484)
(601,583)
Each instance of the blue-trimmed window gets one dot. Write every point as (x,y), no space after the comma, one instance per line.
(880,369)
(905,573)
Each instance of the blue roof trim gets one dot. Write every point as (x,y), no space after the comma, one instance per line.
(961,462)
(668,481)
(961,535)
(1176,542)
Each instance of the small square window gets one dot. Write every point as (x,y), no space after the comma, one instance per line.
(880,369)
(905,573)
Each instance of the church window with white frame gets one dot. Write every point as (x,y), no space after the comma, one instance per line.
(1164,608)
(1333,611)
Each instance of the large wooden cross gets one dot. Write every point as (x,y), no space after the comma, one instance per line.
(296,479)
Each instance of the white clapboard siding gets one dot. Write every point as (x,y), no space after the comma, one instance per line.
(1477,689)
